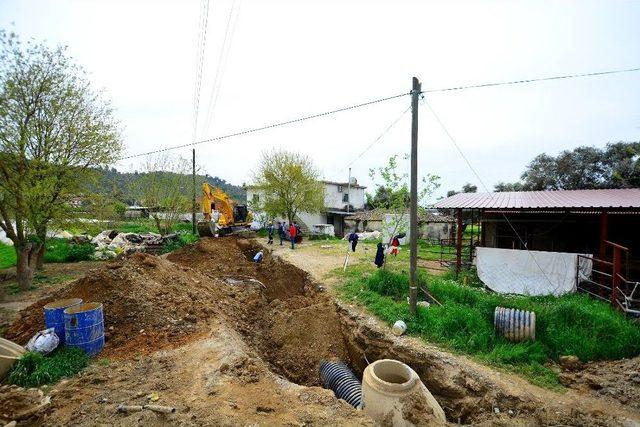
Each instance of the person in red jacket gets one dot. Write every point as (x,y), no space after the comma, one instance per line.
(293,232)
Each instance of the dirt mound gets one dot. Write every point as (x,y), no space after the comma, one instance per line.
(149,304)
(232,258)
(20,404)
(617,379)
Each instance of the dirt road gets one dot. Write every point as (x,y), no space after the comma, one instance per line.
(229,342)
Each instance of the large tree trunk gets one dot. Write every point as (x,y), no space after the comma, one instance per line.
(27,255)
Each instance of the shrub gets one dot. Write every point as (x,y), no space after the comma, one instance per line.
(34,369)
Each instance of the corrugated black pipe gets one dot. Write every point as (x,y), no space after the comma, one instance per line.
(338,377)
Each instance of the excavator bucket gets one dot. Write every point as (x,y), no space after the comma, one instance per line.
(206,228)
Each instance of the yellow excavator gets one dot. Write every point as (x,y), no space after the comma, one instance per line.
(221,214)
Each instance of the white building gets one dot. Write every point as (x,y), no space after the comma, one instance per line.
(338,196)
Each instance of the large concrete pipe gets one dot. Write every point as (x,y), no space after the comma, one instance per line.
(387,386)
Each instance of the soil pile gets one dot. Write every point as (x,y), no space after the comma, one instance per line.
(149,304)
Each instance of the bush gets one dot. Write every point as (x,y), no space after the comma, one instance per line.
(184,238)
(61,250)
(34,369)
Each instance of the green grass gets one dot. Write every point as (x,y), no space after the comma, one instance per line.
(34,369)
(184,238)
(7,256)
(569,325)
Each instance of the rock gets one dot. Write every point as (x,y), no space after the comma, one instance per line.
(570,363)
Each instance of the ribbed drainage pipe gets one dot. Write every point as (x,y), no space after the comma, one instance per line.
(515,325)
(338,377)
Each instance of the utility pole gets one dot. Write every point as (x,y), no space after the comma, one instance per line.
(193,206)
(349,191)
(413,208)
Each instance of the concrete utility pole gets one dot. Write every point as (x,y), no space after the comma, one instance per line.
(349,191)
(193,206)
(413,208)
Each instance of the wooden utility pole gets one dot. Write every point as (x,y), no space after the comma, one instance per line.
(413,208)
(193,206)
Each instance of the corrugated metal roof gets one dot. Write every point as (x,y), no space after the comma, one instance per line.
(558,199)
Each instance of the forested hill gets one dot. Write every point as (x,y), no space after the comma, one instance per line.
(125,186)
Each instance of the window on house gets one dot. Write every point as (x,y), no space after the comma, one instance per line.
(339,188)
(345,197)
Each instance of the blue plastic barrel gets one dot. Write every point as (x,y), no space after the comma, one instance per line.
(84,327)
(54,315)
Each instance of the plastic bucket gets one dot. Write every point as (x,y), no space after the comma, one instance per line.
(84,327)
(54,314)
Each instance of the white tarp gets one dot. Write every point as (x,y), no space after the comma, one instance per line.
(530,272)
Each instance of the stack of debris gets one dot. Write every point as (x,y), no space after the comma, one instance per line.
(110,243)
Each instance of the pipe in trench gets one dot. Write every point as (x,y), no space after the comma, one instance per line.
(338,377)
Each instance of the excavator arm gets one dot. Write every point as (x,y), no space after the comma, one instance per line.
(214,199)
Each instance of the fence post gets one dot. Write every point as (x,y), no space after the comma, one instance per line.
(615,278)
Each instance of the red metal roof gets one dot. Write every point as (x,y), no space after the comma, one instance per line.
(557,199)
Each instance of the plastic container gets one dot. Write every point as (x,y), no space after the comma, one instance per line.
(84,327)
(386,384)
(515,325)
(54,314)
(399,328)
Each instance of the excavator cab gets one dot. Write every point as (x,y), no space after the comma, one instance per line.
(221,214)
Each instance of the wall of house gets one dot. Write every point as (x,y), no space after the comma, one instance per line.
(334,196)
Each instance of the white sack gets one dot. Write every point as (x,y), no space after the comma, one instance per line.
(530,272)
(43,342)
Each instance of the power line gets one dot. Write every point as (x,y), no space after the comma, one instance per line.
(541,79)
(202,43)
(464,157)
(378,139)
(222,62)
(270,126)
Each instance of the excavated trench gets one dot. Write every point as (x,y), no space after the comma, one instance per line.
(292,324)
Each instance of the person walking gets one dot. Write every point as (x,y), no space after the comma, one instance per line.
(270,230)
(395,244)
(281,232)
(353,238)
(379,260)
(293,232)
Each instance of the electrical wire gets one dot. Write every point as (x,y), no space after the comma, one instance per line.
(464,157)
(222,62)
(269,126)
(202,43)
(541,79)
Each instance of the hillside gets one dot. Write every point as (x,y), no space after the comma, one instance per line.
(124,186)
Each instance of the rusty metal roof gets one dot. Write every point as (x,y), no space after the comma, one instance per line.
(557,199)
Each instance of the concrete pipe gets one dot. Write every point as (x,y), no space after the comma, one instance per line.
(387,385)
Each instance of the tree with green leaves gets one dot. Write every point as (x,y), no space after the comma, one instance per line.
(53,129)
(397,194)
(615,166)
(289,183)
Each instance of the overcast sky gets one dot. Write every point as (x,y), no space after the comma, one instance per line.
(286,59)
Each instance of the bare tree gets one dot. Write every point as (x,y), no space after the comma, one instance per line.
(165,186)
(53,129)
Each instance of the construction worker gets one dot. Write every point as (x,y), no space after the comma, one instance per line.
(281,232)
(353,238)
(293,232)
(270,230)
